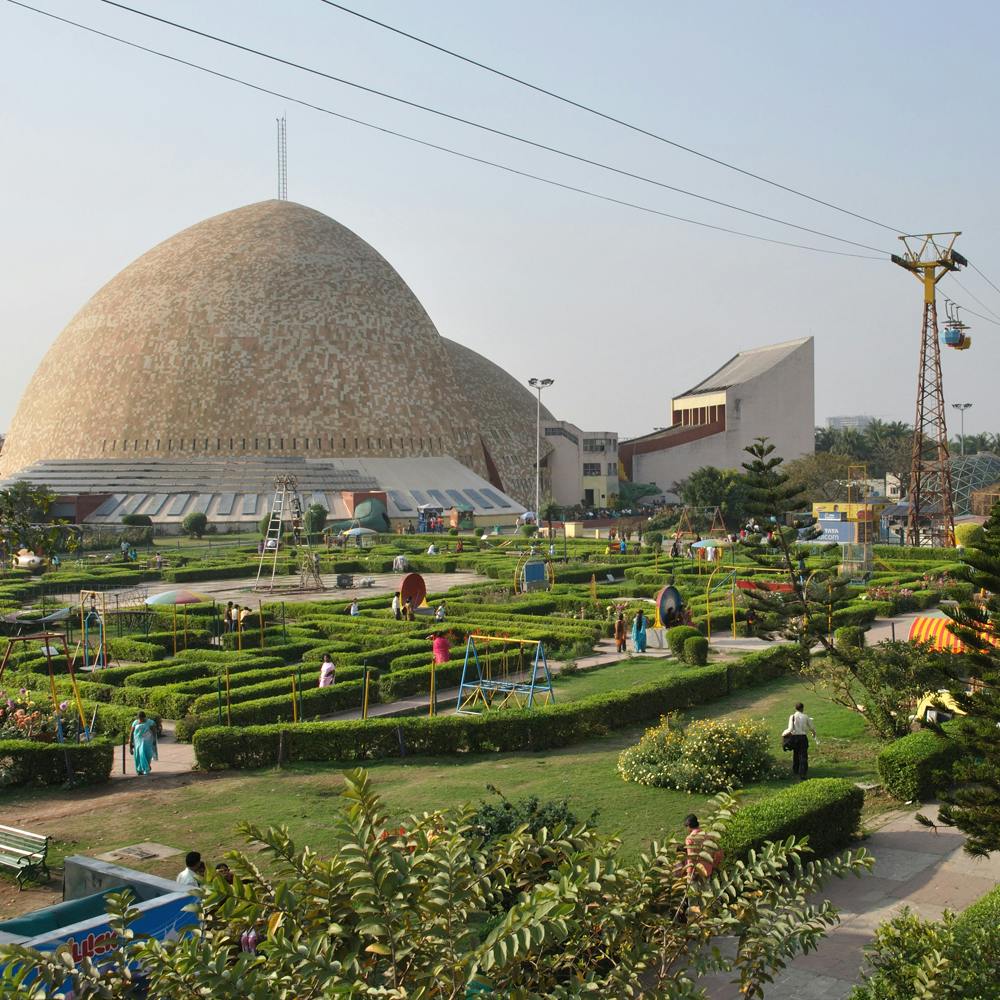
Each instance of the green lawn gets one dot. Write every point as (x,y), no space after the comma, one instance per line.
(203,812)
(613,677)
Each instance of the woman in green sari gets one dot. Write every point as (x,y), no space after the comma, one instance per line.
(142,741)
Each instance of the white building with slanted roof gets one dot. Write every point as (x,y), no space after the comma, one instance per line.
(765,392)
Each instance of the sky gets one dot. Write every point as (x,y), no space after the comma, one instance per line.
(884,109)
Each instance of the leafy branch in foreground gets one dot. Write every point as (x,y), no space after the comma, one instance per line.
(427,909)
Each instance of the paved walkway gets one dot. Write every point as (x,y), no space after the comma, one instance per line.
(914,867)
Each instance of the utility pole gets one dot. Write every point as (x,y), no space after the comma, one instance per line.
(538,384)
(961,407)
(929,257)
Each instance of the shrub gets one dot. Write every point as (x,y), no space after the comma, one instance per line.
(696,650)
(849,637)
(654,539)
(708,756)
(826,810)
(137,521)
(529,530)
(677,636)
(970,535)
(25,762)
(195,523)
(915,767)
(492,820)
(133,649)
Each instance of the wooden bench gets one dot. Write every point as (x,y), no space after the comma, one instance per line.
(25,853)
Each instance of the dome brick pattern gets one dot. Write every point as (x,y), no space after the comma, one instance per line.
(268,330)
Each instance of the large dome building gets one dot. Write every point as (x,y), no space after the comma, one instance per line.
(266,338)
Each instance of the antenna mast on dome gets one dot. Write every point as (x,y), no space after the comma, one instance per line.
(282,159)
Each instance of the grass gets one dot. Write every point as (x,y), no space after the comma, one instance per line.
(203,812)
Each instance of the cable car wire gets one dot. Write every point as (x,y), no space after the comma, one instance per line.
(983,276)
(485,128)
(432,145)
(607,117)
(973,295)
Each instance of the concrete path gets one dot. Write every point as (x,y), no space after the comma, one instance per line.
(915,867)
(174,758)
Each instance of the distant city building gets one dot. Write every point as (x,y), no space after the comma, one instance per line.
(581,466)
(856,423)
(764,392)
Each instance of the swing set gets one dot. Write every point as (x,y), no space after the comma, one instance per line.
(517,674)
(93,628)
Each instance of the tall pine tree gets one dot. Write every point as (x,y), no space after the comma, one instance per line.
(973,804)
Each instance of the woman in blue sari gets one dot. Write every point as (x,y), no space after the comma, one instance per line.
(639,632)
(142,741)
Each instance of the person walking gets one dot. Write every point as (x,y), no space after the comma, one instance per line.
(397,608)
(795,738)
(620,633)
(639,632)
(327,672)
(142,743)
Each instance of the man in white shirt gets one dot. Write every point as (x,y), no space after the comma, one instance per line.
(795,736)
(327,672)
(354,610)
(397,607)
(432,549)
(189,877)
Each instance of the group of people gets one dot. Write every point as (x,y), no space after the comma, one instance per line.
(195,871)
(402,610)
(234,618)
(638,632)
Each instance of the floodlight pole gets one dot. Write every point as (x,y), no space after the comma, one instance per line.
(538,384)
(961,407)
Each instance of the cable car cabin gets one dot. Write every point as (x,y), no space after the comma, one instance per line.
(954,336)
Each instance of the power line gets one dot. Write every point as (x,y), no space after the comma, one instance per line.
(486,128)
(973,295)
(431,145)
(607,117)
(983,276)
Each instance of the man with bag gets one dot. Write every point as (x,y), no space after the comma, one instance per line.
(795,739)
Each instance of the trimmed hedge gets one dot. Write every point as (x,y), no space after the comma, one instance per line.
(677,636)
(696,650)
(512,729)
(133,649)
(826,810)
(915,767)
(849,637)
(25,762)
(983,913)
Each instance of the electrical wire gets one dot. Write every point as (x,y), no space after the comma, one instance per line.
(973,295)
(485,128)
(607,117)
(983,276)
(431,145)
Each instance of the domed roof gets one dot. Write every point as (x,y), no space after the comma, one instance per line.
(507,412)
(270,329)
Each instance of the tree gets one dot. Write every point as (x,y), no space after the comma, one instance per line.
(315,518)
(877,682)
(551,511)
(629,494)
(712,487)
(25,521)
(195,523)
(973,805)
(820,477)
(428,910)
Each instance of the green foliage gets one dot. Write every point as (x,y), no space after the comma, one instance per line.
(498,818)
(826,810)
(696,650)
(25,762)
(955,958)
(25,521)
(677,636)
(137,521)
(969,535)
(315,518)
(654,540)
(974,803)
(849,637)
(722,488)
(529,530)
(916,767)
(195,524)
(511,729)
(707,756)
(425,910)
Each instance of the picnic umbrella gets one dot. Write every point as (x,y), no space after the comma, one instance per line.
(169,597)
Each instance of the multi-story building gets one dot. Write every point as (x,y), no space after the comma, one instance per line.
(580,466)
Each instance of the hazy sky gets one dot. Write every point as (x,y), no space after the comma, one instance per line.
(886,108)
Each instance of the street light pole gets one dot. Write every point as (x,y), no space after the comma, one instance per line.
(961,407)
(538,384)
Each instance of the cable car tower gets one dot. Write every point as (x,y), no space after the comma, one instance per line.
(931,519)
